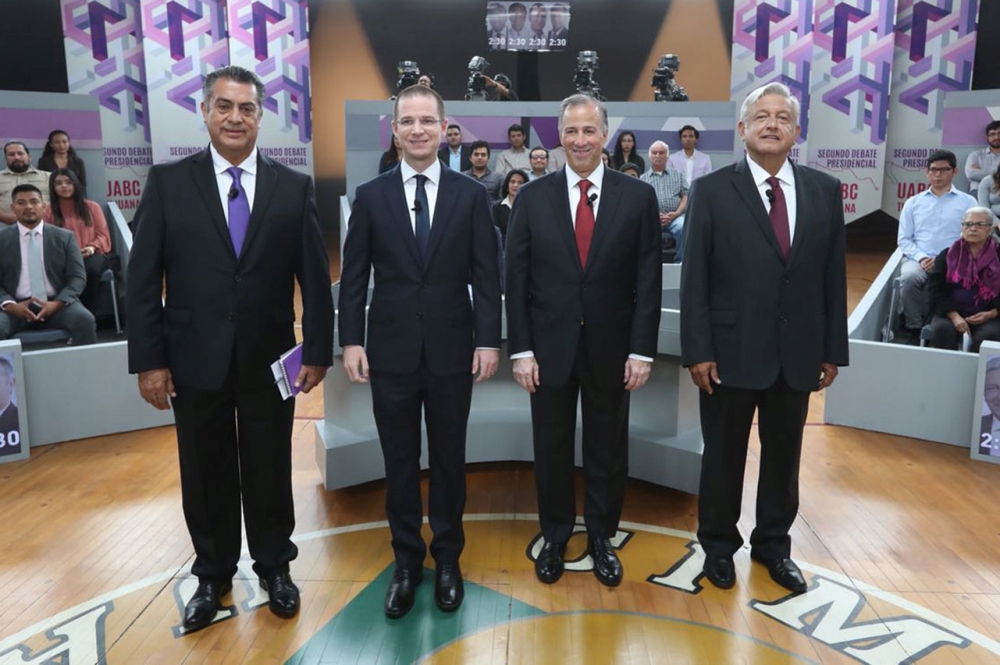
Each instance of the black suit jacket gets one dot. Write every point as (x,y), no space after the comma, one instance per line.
(219,306)
(421,310)
(63,263)
(550,296)
(464,153)
(10,422)
(744,306)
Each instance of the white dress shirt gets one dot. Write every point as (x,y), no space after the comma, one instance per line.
(24,281)
(225,181)
(409,174)
(786,176)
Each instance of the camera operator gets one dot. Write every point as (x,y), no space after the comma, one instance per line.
(499,89)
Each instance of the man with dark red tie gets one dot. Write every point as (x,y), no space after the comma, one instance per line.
(583,312)
(763,324)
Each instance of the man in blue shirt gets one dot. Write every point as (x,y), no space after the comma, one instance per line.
(454,154)
(930,222)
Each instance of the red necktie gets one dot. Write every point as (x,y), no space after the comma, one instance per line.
(779,216)
(584,223)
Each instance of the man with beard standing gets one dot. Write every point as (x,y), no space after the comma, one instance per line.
(983,163)
(19,171)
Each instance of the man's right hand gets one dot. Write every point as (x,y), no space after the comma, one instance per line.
(155,386)
(526,373)
(704,375)
(356,363)
(927,263)
(20,310)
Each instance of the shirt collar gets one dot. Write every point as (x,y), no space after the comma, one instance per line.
(23,230)
(221,164)
(433,172)
(930,192)
(596,178)
(786,175)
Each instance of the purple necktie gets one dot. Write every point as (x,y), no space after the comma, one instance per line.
(779,216)
(239,210)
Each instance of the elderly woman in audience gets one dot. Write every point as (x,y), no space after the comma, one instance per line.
(964,285)
(626,152)
(501,211)
(59,154)
(70,210)
(989,192)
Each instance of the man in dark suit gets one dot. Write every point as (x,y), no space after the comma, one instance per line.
(231,230)
(583,310)
(41,274)
(763,323)
(428,233)
(454,154)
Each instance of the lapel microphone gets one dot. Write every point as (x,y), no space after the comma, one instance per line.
(591,199)
(233,193)
(769,193)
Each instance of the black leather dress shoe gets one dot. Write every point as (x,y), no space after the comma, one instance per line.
(550,562)
(283,595)
(204,604)
(720,571)
(607,567)
(402,588)
(449,590)
(784,572)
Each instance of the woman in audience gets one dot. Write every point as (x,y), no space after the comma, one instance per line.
(989,192)
(389,158)
(501,211)
(59,154)
(964,285)
(626,152)
(70,210)
(606,157)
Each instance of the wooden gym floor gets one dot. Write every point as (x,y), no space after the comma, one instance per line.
(899,538)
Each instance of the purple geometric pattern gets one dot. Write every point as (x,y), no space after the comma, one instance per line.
(854,52)
(272,37)
(939,37)
(773,42)
(105,38)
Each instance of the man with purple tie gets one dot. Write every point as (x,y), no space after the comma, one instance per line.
(231,250)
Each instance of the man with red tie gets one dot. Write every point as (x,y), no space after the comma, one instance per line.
(763,324)
(583,311)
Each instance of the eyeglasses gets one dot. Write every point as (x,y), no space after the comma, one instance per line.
(940,170)
(409,123)
(977,225)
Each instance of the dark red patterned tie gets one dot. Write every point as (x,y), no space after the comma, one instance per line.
(779,216)
(584,223)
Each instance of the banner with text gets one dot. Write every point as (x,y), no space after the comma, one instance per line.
(852,65)
(183,43)
(934,53)
(104,58)
(271,37)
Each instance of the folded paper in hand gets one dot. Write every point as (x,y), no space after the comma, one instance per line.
(286,369)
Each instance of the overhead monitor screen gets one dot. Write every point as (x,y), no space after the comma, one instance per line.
(527,26)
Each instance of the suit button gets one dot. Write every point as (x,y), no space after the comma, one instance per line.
(237,278)
(784,319)
(581,322)
(231,317)
(786,281)
(419,315)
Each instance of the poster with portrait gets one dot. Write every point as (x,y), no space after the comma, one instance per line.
(527,26)
(13,421)
(986,413)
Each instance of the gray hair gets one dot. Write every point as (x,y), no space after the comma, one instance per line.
(993,364)
(237,74)
(582,100)
(654,144)
(769,89)
(981,210)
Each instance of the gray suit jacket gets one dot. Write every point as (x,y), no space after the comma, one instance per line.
(63,263)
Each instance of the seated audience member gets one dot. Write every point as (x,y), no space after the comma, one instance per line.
(41,274)
(989,192)
(19,171)
(606,158)
(390,158)
(627,151)
(631,169)
(480,158)
(982,163)
(964,285)
(515,157)
(539,163)
(928,224)
(455,155)
(690,161)
(671,194)
(59,154)
(501,211)
(70,210)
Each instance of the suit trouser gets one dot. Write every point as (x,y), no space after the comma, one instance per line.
(235,445)
(912,294)
(605,451)
(397,401)
(726,418)
(73,318)
(944,335)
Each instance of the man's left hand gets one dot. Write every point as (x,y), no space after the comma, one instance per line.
(636,373)
(309,377)
(980,318)
(827,374)
(485,362)
(49,307)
